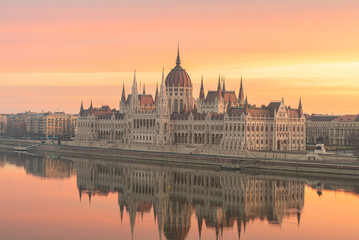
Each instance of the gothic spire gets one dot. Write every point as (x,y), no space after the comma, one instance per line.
(229,108)
(219,90)
(178,60)
(82,106)
(219,83)
(156,95)
(162,98)
(91,105)
(134,85)
(300,108)
(246,106)
(224,84)
(241,93)
(144,89)
(201,91)
(123,97)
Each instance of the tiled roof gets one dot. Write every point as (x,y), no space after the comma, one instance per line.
(273,106)
(322,118)
(145,99)
(294,113)
(229,96)
(178,77)
(236,111)
(347,118)
(211,95)
(259,112)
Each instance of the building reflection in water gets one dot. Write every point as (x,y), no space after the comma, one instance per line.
(219,199)
(47,167)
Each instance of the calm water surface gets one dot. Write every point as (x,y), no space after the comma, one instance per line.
(52,197)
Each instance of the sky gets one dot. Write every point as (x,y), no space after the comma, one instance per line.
(53,54)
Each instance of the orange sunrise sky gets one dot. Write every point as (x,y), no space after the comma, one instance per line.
(53,54)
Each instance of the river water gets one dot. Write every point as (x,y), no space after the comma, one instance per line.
(58,197)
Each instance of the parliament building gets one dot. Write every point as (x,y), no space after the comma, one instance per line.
(174,120)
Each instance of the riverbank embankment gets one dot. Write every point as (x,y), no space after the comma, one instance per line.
(266,161)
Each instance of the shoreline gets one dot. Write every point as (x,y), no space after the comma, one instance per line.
(221,162)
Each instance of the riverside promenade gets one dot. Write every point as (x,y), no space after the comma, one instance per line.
(340,165)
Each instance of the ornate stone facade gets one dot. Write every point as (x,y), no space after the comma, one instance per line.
(219,121)
(333,129)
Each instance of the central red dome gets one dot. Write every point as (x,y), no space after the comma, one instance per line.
(178,77)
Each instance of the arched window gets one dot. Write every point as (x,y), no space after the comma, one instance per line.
(181,105)
(175,108)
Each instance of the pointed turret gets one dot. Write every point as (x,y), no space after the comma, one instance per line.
(156,95)
(91,105)
(246,106)
(162,98)
(229,108)
(241,93)
(144,89)
(219,90)
(300,108)
(134,94)
(123,97)
(82,107)
(219,83)
(201,91)
(224,84)
(178,60)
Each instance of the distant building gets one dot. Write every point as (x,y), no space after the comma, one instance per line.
(218,121)
(16,125)
(332,129)
(49,125)
(3,124)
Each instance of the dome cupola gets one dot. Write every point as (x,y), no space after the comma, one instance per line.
(178,77)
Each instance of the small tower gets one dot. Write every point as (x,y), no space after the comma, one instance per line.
(201,91)
(144,89)
(91,105)
(241,94)
(246,106)
(219,90)
(82,107)
(156,95)
(123,100)
(300,108)
(163,116)
(134,95)
(229,108)
(224,84)
(178,60)
(123,97)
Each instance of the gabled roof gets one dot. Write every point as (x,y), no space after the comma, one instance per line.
(346,118)
(273,106)
(237,111)
(145,99)
(212,95)
(294,113)
(229,96)
(259,112)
